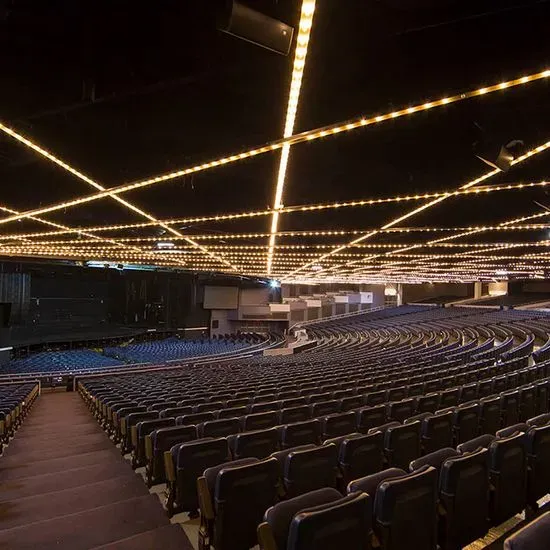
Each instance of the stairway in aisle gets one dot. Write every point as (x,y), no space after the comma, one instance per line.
(65,486)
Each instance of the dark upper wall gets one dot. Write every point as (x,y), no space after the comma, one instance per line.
(414,293)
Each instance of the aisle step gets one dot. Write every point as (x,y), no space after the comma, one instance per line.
(86,530)
(168,537)
(26,511)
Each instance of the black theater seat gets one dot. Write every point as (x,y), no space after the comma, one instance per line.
(219,428)
(300,433)
(159,442)
(233,498)
(534,536)
(254,444)
(338,424)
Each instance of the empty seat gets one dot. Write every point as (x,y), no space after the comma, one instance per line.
(538,460)
(195,418)
(427,403)
(396,394)
(294,414)
(185,464)
(436,432)
(511,430)
(542,392)
(464,498)
(258,421)
(402,444)
(539,421)
(208,407)
(359,455)
(219,428)
(337,424)
(273,532)
(318,398)
(508,464)
(325,527)
(350,403)
(449,398)
(309,469)
(324,408)
(175,411)
(375,398)
(237,402)
(232,412)
(293,402)
(509,408)
(370,417)
(405,511)
(534,536)
(256,444)
(489,415)
(465,422)
(233,498)
(527,403)
(468,392)
(263,407)
(481,442)
(300,433)
(398,411)
(435,459)
(159,442)
(128,423)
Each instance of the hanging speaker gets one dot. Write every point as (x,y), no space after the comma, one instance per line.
(255,27)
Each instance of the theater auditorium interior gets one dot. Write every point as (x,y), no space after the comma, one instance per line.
(275,275)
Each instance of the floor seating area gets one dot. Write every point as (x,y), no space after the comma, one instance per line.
(173,348)
(441,416)
(113,358)
(408,428)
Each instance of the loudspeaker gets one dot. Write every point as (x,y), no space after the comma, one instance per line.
(496,155)
(5,314)
(250,25)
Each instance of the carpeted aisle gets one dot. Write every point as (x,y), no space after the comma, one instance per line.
(65,486)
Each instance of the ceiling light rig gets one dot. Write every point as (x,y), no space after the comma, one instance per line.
(309,135)
(82,177)
(304,31)
(466,187)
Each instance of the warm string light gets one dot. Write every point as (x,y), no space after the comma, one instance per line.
(466,187)
(288,210)
(292,140)
(300,54)
(82,177)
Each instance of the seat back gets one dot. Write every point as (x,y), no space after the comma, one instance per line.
(508,466)
(219,428)
(344,523)
(509,408)
(255,444)
(402,444)
(351,403)
(278,518)
(527,403)
(242,494)
(427,403)
(466,422)
(398,411)
(464,495)
(232,412)
(191,460)
(324,408)
(195,418)
(309,469)
(437,432)
(301,433)
(361,455)
(175,411)
(337,424)
(489,415)
(258,421)
(538,457)
(370,417)
(533,536)
(405,511)
(294,414)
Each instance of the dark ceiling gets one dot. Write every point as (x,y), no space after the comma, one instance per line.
(123,91)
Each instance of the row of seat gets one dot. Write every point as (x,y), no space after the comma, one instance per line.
(15,402)
(446,499)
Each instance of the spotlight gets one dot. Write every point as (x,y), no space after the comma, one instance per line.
(165,244)
(274,284)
